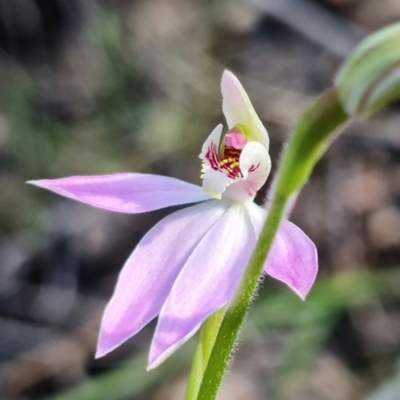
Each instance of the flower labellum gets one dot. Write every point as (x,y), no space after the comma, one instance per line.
(190,264)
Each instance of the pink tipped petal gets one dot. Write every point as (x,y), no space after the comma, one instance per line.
(293,258)
(239,111)
(127,192)
(255,164)
(207,282)
(149,273)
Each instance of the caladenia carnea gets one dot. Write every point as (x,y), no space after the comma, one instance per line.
(190,264)
(368,80)
(208,276)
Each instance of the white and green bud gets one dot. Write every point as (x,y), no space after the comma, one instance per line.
(370,78)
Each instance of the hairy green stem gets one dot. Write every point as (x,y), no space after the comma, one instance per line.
(208,335)
(307,145)
(231,324)
(368,80)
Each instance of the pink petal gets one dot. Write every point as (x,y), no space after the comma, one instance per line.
(149,273)
(293,258)
(127,192)
(207,282)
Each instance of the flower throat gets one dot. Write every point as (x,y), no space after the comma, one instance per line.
(226,158)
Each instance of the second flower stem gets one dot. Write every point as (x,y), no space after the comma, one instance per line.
(208,334)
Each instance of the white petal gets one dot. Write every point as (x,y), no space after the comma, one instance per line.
(213,139)
(255,164)
(214,181)
(238,110)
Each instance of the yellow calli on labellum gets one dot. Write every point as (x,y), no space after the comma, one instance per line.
(190,264)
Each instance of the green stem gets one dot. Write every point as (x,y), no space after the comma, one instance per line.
(231,324)
(208,334)
(374,65)
(307,144)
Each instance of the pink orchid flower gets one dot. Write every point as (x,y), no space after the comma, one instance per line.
(190,264)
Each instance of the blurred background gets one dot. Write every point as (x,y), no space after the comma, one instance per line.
(96,87)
